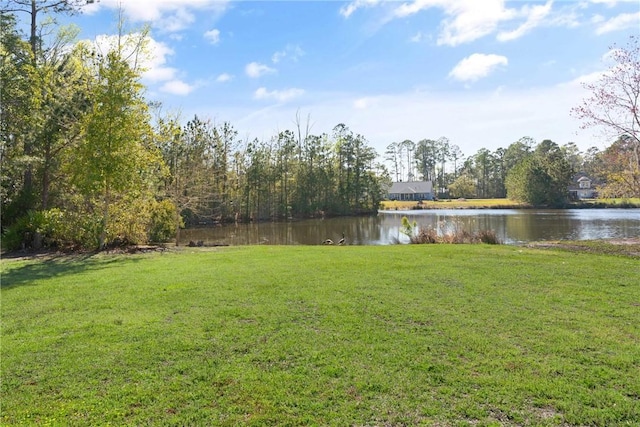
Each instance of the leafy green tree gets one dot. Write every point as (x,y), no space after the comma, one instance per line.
(184,183)
(64,100)
(18,101)
(392,155)
(39,57)
(463,186)
(529,182)
(456,155)
(616,167)
(541,178)
(116,159)
(484,162)
(573,155)
(427,159)
(443,152)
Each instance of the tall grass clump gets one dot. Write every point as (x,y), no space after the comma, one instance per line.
(458,235)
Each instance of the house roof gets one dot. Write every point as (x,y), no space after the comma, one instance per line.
(411,187)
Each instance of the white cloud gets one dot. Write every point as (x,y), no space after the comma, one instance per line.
(255,70)
(224,77)
(178,21)
(348,9)
(168,15)
(363,103)
(278,95)
(293,52)
(177,87)
(506,115)
(477,66)
(611,3)
(152,60)
(417,38)
(212,36)
(535,16)
(469,20)
(620,22)
(156,63)
(466,20)
(159,74)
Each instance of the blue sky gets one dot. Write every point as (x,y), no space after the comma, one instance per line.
(482,73)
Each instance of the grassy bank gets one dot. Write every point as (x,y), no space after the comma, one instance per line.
(391,335)
(502,204)
(454,204)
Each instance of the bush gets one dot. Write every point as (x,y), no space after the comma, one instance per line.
(73,229)
(22,233)
(162,226)
(425,235)
(488,236)
(53,228)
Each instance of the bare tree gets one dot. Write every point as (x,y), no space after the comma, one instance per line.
(34,8)
(614,104)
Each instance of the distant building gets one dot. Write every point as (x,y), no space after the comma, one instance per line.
(412,191)
(582,187)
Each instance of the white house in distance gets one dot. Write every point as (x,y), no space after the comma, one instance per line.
(582,188)
(411,190)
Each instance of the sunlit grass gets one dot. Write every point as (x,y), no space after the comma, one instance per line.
(499,204)
(448,335)
(630,201)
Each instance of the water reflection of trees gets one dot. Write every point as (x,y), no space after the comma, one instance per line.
(510,227)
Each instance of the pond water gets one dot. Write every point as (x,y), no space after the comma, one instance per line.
(512,226)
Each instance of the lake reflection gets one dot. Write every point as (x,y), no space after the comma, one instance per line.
(512,226)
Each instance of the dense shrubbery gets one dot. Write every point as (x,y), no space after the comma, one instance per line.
(162,226)
(54,228)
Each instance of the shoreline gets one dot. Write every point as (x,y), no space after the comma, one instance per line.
(393,205)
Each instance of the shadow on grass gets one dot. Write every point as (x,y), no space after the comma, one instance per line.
(37,269)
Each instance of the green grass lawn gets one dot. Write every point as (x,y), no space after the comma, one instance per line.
(442,335)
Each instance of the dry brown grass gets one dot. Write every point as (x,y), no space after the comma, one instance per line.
(458,236)
(453,204)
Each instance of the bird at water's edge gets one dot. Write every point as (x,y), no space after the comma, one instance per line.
(330,242)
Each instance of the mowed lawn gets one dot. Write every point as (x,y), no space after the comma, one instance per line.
(442,335)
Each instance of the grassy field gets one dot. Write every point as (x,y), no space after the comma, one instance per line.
(442,335)
(497,204)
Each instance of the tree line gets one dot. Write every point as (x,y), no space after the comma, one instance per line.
(539,173)
(87,160)
(536,173)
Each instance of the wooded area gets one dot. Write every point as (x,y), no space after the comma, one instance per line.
(88,161)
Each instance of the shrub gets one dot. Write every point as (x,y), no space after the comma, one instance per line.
(425,235)
(162,226)
(457,235)
(21,234)
(488,236)
(53,228)
(71,229)
(408,228)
